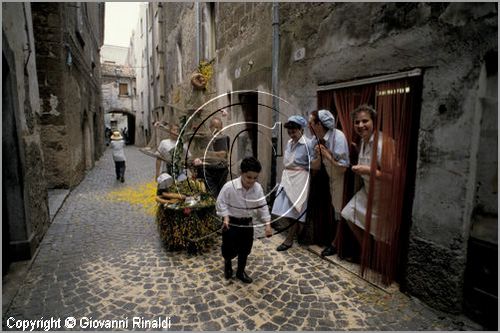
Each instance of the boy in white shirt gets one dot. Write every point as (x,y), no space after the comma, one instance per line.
(238,200)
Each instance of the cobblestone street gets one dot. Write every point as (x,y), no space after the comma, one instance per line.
(103,259)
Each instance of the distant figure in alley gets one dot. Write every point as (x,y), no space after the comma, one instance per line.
(117,145)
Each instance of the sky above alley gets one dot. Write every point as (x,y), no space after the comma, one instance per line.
(120,19)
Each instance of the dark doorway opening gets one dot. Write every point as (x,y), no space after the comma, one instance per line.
(130,140)
(249,108)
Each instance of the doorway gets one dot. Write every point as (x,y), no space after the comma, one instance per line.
(13,215)
(247,141)
(397,105)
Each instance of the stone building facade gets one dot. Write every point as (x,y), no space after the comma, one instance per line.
(119,92)
(52,121)
(139,58)
(449,48)
(68,37)
(119,99)
(25,212)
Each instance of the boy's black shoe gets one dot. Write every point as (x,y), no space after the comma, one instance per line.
(329,251)
(122,179)
(228,270)
(244,277)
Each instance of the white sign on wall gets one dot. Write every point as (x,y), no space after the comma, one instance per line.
(299,54)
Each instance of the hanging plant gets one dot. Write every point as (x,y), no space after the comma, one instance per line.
(198,81)
(206,69)
(201,78)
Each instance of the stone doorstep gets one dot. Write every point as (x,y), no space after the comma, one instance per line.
(354,269)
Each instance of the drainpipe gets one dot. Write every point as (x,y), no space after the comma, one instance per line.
(197,19)
(275,90)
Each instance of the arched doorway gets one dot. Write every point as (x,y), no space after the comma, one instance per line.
(122,120)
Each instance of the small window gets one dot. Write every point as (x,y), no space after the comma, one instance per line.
(123,89)
(208,31)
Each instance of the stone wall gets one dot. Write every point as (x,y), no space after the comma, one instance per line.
(244,61)
(69,79)
(25,216)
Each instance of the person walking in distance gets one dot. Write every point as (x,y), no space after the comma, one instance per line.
(238,200)
(117,145)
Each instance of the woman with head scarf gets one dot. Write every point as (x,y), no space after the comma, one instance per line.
(332,154)
(291,200)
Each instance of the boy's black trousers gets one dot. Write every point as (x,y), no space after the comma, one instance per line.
(238,239)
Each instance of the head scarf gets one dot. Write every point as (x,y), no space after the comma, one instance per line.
(326,118)
(299,120)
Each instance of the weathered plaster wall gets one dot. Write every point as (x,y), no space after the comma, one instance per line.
(244,60)
(111,98)
(182,95)
(69,75)
(21,109)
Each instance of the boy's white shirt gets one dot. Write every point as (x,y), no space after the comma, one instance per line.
(234,200)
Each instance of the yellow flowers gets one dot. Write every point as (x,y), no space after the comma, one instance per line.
(206,69)
(187,228)
(142,196)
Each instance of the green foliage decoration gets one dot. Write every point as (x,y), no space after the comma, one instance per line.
(184,226)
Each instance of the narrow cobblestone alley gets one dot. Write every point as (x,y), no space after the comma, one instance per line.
(103,259)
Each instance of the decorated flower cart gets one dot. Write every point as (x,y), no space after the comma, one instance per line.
(186,216)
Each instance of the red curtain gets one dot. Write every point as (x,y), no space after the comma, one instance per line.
(394,123)
(394,102)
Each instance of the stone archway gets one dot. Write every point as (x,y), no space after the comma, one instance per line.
(124,119)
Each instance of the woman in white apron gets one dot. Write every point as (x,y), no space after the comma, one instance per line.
(355,210)
(291,199)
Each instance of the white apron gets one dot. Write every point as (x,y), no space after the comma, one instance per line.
(336,175)
(355,210)
(293,190)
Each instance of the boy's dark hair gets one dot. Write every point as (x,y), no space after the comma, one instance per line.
(250,164)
